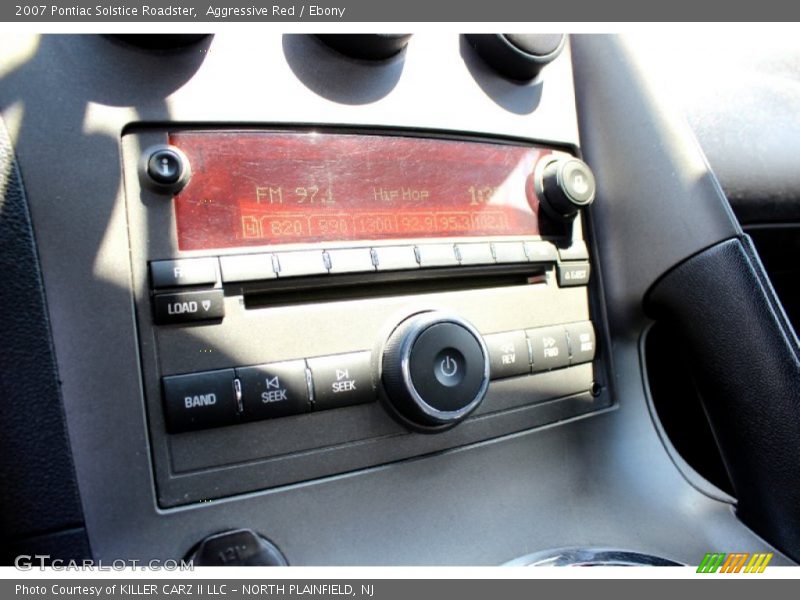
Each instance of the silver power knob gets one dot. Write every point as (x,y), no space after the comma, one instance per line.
(435,370)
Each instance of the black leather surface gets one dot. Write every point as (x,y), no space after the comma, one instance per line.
(38,493)
(66,545)
(746,363)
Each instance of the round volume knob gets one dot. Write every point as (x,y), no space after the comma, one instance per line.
(435,370)
(565,186)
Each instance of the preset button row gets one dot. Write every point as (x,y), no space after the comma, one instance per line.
(229,396)
(255,267)
(543,349)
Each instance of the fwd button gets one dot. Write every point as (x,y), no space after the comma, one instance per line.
(199,400)
(549,348)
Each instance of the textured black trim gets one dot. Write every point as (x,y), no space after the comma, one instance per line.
(65,546)
(746,362)
(39,493)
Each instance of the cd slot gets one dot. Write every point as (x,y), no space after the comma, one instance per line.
(305,290)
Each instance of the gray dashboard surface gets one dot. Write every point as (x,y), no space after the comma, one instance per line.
(603,481)
(741,100)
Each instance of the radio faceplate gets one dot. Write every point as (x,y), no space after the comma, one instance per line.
(244,317)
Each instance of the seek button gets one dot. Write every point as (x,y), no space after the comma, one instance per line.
(274,390)
(341,380)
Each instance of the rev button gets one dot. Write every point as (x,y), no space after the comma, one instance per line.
(274,390)
(188,307)
(199,400)
(508,354)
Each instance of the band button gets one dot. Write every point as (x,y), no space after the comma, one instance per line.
(199,400)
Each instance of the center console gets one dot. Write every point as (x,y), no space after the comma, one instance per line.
(335,311)
(314,301)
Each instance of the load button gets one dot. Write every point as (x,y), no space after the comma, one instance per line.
(188,307)
(341,380)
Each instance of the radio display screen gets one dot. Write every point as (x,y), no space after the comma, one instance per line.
(251,188)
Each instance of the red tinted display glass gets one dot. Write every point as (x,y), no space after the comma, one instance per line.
(262,188)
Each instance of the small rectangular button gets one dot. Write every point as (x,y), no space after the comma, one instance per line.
(188,307)
(342,380)
(581,342)
(573,274)
(437,255)
(541,252)
(549,349)
(247,267)
(577,251)
(183,271)
(395,258)
(274,390)
(509,252)
(508,354)
(351,260)
(199,400)
(304,262)
(475,254)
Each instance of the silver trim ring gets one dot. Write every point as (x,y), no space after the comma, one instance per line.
(423,322)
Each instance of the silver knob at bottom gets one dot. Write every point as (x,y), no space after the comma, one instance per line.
(435,370)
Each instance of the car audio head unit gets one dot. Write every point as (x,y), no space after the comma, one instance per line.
(312,302)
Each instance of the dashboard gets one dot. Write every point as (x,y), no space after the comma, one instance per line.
(379,299)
